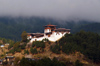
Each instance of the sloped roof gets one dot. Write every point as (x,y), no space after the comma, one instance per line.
(50,25)
(62,29)
(36,34)
(48,28)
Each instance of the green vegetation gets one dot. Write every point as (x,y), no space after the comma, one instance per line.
(7,41)
(45,40)
(11,51)
(4,41)
(87,43)
(26,52)
(11,45)
(23,46)
(38,44)
(33,51)
(11,28)
(17,59)
(78,63)
(55,49)
(24,36)
(17,47)
(41,62)
(47,62)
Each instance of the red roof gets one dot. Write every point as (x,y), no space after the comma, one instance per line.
(50,25)
(47,28)
(62,29)
(29,35)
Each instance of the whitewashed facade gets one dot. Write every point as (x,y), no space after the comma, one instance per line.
(50,33)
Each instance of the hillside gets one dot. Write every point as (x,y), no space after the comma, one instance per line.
(70,59)
(92,27)
(12,27)
(4,46)
(82,46)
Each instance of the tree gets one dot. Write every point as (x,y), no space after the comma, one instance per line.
(33,51)
(16,45)
(24,36)
(55,49)
(33,44)
(17,59)
(23,46)
(87,43)
(26,52)
(78,63)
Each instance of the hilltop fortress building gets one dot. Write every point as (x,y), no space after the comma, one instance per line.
(50,33)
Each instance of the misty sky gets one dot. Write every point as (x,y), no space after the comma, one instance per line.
(59,9)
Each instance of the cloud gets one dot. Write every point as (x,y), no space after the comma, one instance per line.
(59,9)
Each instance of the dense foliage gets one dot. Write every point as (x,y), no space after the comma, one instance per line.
(26,52)
(24,36)
(41,62)
(17,47)
(87,43)
(47,62)
(55,49)
(13,27)
(38,44)
(4,40)
(78,63)
(7,41)
(33,51)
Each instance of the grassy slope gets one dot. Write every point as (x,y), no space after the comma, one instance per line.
(47,53)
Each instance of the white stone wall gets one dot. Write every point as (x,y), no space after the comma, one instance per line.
(47,30)
(29,37)
(53,37)
(37,39)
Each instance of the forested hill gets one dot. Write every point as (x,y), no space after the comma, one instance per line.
(13,27)
(88,43)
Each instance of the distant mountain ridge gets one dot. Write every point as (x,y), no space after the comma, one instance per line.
(13,27)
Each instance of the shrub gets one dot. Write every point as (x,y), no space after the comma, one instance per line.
(26,52)
(11,51)
(55,49)
(33,51)
(38,44)
(23,46)
(78,63)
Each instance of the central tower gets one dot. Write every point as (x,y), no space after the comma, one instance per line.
(49,28)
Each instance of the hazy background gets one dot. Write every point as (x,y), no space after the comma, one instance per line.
(59,9)
(17,16)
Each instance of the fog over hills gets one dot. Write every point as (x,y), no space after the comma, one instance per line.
(17,16)
(56,9)
(13,27)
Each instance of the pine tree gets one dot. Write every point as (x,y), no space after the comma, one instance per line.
(24,36)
